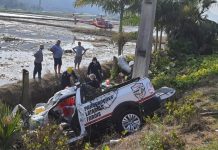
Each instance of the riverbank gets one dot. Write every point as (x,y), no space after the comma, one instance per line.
(19,40)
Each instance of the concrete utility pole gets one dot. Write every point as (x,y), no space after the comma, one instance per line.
(145,39)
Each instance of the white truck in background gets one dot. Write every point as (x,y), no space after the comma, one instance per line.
(81,107)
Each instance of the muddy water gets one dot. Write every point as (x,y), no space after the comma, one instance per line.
(17,55)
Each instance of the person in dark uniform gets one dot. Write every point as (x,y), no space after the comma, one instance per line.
(93,81)
(95,68)
(65,78)
(38,62)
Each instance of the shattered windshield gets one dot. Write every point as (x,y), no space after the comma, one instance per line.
(53,100)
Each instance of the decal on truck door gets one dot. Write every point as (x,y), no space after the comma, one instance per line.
(93,110)
(139,90)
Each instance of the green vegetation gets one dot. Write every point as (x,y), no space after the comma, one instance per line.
(9,126)
(49,137)
(181,66)
(186,72)
(190,32)
(180,113)
(157,138)
(213,145)
(115,7)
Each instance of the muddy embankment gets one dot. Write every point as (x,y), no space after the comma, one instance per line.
(41,91)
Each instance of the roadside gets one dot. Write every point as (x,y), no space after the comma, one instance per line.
(190,120)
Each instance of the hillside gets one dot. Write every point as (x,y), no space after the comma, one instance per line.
(189,121)
(200,132)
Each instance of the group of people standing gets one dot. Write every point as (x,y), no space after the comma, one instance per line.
(94,71)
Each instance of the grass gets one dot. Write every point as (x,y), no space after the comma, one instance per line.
(188,73)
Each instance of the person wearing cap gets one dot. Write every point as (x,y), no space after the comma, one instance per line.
(65,78)
(93,81)
(80,51)
(95,68)
(38,62)
(57,54)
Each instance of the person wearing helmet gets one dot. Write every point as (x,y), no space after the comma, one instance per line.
(65,78)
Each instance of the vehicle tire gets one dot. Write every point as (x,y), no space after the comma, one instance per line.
(129,121)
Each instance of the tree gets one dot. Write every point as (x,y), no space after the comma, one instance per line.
(115,7)
(190,32)
(163,17)
(185,24)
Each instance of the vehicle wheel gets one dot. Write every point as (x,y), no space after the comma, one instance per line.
(129,120)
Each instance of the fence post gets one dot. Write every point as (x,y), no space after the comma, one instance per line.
(25,89)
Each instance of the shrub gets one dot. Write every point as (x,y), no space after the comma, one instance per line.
(158,138)
(213,145)
(88,146)
(152,140)
(173,141)
(187,72)
(182,45)
(48,137)
(9,126)
(180,113)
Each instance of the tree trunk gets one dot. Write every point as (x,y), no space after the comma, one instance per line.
(156,41)
(161,35)
(145,37)
(120,47)
(115,68)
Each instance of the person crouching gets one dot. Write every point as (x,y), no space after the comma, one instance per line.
(93,81)
(66,76)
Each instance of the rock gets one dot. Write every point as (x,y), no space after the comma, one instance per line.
(10,59)
(68,51)
(99,45)
(2,75)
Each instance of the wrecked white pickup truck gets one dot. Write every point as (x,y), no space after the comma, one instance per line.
(81,107)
